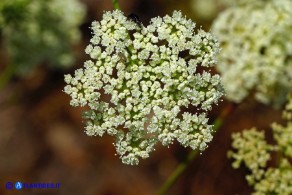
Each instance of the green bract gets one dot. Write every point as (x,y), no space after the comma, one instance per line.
(36,31)
(256,56)
(151,75)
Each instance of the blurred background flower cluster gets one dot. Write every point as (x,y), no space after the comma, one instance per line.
(42,137)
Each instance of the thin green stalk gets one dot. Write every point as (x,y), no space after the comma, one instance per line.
(116,4)
(177,172)
(183,165)
(6,75)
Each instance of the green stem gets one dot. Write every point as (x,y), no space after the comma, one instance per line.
(116,4)
(183,165)
(6,75)
(177,172)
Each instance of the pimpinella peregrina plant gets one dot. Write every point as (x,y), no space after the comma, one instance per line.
(252,150)
(151,74)
(256,56)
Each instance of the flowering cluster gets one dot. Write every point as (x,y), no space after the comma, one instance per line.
(256,57)
(252,150)
(35,31)
(150,74)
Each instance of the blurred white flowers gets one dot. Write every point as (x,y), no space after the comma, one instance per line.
(209,9)
(256,57)
(40,31)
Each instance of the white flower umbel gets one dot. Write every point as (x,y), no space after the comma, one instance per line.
(256,56)
(151,74)
(252,150)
